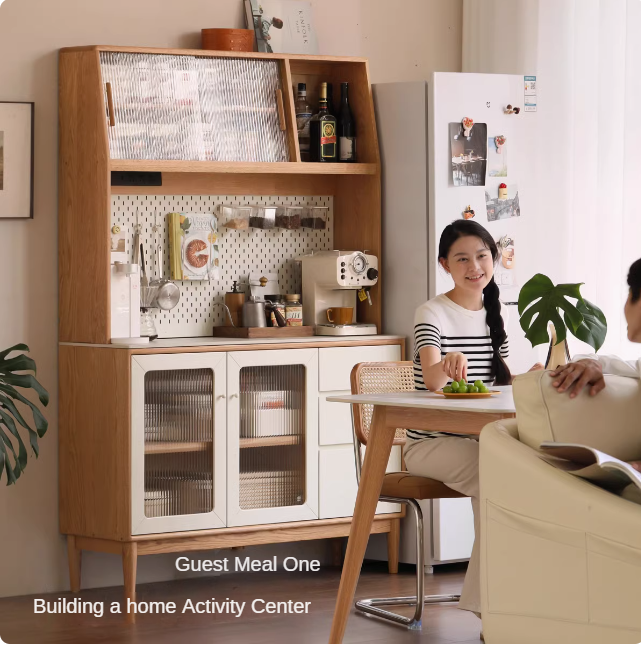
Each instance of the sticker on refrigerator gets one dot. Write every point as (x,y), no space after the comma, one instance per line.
(529,99)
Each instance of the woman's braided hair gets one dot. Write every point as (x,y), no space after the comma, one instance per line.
(451,233)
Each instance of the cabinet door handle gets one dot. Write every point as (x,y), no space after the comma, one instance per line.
(281,109)
(110,103)
(222,397)
(234,396)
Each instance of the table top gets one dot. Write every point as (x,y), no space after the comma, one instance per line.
(501,403)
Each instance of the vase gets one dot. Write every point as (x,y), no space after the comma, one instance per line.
(558,353)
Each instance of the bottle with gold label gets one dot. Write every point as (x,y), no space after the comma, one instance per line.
(322,132)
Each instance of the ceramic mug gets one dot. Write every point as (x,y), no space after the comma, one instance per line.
(340,315)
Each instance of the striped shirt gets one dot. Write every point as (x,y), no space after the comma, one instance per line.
(442,324)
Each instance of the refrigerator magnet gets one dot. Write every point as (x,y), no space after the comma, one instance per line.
(467,124)
(499,142)
(468,213)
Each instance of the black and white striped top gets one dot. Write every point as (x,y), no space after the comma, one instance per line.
(443,324)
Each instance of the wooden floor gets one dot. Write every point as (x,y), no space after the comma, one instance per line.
(443,624)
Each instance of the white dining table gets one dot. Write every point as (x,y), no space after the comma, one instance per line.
(419,410)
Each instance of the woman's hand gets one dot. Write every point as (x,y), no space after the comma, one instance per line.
(537,366)
(586,372)
(455,366)
(636,465)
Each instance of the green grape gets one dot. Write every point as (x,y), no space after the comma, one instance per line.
(478,383)
(462,384)
(473,389)
(447,389)
(455,386)
(484,389)
(469,388)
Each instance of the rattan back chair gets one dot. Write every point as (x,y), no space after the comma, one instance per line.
(399,487)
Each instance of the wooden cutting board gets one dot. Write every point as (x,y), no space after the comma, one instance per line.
(263,332)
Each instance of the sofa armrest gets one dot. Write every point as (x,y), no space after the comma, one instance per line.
(554,548)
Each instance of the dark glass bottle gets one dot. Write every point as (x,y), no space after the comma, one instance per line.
(346,129)
(330,100)
(322,132)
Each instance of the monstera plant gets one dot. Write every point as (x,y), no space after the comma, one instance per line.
(542,303)
(12,376)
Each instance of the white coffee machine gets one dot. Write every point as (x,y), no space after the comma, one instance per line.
(332,279)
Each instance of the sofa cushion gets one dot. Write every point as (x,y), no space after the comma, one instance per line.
(610,421)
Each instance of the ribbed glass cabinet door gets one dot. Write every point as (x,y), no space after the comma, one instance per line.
(178,409)
(193,108)
(272,436)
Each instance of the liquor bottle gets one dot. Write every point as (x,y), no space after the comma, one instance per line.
(346,129)
(322,132)
(303,115)
(330,100)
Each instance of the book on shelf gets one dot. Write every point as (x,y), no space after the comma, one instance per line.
(590,464)
(193,246)
(283,26)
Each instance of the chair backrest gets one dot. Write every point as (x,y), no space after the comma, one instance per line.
(379,377)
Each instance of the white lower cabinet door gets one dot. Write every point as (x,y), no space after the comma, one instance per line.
(337,481)
(178,442)
(272,436)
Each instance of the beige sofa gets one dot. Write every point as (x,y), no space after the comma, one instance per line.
(560,557)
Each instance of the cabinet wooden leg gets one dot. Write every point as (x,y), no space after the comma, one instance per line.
(393,543)
(129,563)
(337,551)
(74,556)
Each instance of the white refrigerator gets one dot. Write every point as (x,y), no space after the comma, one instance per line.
(430,175)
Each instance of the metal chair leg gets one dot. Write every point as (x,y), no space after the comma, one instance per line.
(373,606)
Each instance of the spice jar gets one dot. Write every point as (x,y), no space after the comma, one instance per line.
(293,310)
(289,217)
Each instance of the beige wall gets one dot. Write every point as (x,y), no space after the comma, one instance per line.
(404,40)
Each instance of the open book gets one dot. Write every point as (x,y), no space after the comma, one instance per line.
(590,464)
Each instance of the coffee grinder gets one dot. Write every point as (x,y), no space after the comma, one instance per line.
(332,279)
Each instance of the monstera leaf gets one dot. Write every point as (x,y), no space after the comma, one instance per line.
(541,302)
(11,377)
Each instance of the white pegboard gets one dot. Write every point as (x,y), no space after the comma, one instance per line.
(241,252)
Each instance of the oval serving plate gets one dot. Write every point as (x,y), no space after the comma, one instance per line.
(467,395)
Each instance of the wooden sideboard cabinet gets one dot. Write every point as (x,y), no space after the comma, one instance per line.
(215,447)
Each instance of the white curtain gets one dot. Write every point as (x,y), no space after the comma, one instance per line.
(587,58)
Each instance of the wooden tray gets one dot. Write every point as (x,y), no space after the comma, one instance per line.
(263,332)
(468,395)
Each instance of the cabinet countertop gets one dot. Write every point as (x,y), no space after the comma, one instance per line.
(202,342)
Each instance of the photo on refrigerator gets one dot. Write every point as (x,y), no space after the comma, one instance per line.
(469,154)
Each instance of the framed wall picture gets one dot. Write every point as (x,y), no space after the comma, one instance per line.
(16,160)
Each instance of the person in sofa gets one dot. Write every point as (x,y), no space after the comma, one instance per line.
(588,370)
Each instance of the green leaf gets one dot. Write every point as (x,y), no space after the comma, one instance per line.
(20,346)
(33,436)
(594,328)
(541,297)
(28,381)
(536,287)
(15,470)
(11,425)
(21,362)
(11,477)
(41,423)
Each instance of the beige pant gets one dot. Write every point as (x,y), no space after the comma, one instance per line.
(453,461)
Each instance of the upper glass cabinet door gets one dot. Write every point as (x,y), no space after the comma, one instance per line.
(192,108)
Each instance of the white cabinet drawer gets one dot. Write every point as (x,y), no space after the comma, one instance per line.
(334,420)
(335,364)
(337,482)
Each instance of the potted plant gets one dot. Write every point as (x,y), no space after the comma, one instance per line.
(540,305)
(11,377)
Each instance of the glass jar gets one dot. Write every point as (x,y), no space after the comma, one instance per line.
(315,217)
(263,217)
(293,310)
(279,304)
(289,217)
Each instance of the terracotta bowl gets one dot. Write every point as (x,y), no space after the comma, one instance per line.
(228,40)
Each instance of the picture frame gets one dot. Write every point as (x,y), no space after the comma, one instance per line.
(16,159)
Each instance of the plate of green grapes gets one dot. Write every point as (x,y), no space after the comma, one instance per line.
(465,389)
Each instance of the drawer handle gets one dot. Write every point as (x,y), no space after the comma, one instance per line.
(281,109)
(110,103)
